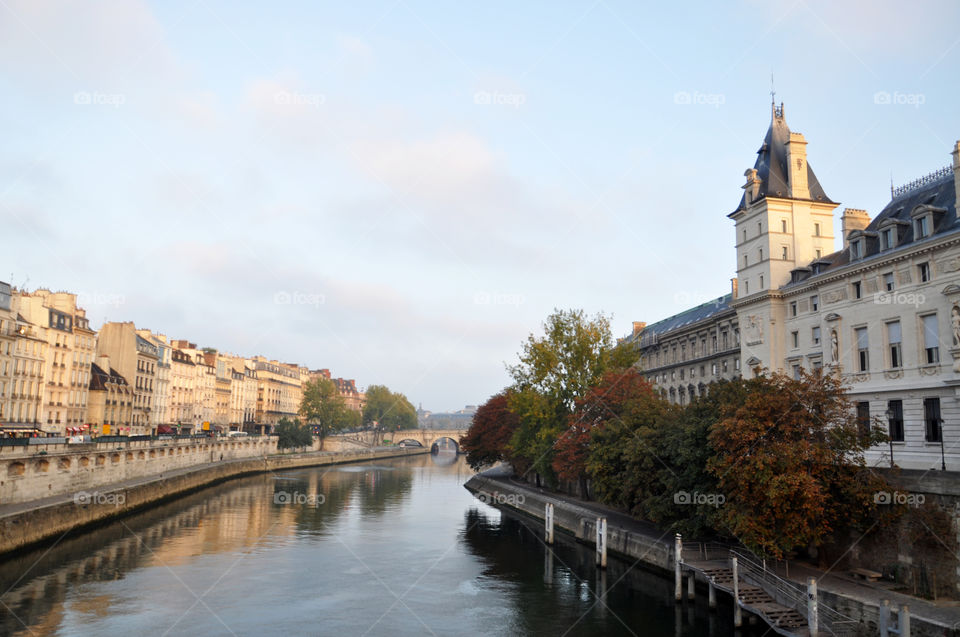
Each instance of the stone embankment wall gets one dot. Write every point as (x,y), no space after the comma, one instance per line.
(49,520)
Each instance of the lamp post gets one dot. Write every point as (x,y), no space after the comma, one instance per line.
(943,459)
(889,414)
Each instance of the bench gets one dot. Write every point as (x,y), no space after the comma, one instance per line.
(866,574)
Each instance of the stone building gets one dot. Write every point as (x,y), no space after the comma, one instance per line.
(183,383)
(278,392)
(160,414)
(23,351)
(71,347)
(133,357)
(110,406)
(882,312)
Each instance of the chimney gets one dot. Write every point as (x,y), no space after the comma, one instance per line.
(638,327)
(752,187)
(733,286)
(103,362)
(852,219)
(797,167)
(956,172)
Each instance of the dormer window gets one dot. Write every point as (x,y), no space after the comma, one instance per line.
(856,249)
(887,240)
(921,227)
(925,218)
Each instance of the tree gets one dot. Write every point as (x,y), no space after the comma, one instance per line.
(493,424)
(391,411)
(292,434)
(553,372)
(789,458)
(323,408)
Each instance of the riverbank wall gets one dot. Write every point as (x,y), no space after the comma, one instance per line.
(33,523)
(657,553)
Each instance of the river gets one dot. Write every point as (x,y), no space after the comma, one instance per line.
(396,547)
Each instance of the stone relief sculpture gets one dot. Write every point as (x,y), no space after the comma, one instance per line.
(754,330)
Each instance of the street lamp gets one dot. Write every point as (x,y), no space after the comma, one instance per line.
(943,460)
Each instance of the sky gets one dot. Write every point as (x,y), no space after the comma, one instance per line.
(403,191)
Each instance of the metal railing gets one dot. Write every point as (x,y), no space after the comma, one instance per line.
(791,594)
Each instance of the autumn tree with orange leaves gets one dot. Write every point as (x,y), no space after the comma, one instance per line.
(789,459)
(485,443)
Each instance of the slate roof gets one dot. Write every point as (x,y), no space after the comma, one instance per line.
(687,317)
(936,190)
(771,165)
(100,378)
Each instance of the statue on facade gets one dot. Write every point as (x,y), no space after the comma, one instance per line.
(955,321)
(834,346)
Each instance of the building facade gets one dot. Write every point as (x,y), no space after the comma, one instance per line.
(882,312)
(23,353)
(133,357)
(110,406)
(278,392)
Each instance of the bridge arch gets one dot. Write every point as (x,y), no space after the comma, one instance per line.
(410,442)
(445,442)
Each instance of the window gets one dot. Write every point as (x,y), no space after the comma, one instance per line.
(796,372)
(817,364)
(818,252)
(857,290)
(713,369)
(783,253)
(886,239)
(931,339)
(724,366)
(863,348)
(921,227)
(816,229)
(924,271)
(761,281)
(814,303)
(736,363)
(816,336)
(888,283)
(746,287)
(894,339)
(759,228)
(854,250)
(795,337)
(931,417)
(863,419)
(746,260)
(895,420)
(761,254)
(793,308)
(744,235)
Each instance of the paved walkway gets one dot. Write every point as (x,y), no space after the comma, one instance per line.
(942,612)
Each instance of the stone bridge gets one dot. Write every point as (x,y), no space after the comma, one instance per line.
(426,437)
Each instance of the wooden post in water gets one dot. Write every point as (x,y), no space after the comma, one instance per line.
(602,542)
(691,584)
(677,567)
(813,611)
(548,519)
(712,596)
(903,621)
(737,613)
(884,618)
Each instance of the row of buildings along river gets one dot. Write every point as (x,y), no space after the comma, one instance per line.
(60,377)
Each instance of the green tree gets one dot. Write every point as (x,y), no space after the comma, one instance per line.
(389,410)
(554,371)
(323,408)
(292,434)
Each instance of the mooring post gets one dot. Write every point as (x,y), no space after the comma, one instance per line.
(903,622)
(884,618)
(549,522)
(677,566)
(712,596)
(737,613)
(691,584)
(813,611)
(602,542)
(548,566)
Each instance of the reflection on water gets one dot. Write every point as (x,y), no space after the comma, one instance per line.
(392,547)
